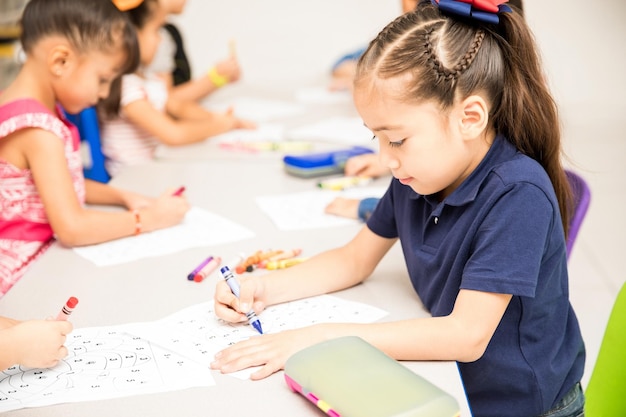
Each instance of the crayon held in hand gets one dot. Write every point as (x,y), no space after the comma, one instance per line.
(67,308)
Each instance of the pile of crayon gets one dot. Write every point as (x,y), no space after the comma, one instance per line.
(271,259)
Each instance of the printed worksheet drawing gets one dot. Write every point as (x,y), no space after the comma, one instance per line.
(195,332)
(200,228)
(103,362)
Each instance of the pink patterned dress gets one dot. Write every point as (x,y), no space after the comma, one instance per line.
(25,232)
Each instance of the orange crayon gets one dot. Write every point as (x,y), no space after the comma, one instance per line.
(281,256)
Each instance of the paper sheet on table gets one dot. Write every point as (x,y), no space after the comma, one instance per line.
(322,95)
(196,333)
(258,109)
(273,132)
(200,228)
(103,362)
(305,210)
(348,130)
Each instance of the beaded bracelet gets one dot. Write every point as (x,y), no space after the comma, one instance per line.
(216,78)
(137,221)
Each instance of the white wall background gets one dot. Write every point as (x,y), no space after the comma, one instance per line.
(281,40)
(296,41)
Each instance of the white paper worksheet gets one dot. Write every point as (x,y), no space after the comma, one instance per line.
(259,109)
(200,228)
(196,332)
(172,353)
(344,130)
(305,210)
(103,362)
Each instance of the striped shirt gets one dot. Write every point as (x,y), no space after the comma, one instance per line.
(124,143)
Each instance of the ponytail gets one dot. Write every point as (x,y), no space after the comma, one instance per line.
(527,114)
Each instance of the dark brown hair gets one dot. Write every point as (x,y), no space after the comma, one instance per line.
(445,57)
(86,24)
(109,107)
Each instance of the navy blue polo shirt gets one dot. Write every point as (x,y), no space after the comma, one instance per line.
(500,231)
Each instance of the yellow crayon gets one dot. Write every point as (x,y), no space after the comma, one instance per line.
(338,184)
(232,48)
(281,146)
(281,256)
(285,263)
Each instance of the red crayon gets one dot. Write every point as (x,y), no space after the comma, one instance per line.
(207,269)
(178,192)
(67,308)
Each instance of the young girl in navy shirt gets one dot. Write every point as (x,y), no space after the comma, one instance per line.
(480,203)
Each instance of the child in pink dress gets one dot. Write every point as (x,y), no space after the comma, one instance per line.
(25,232)
(74,50)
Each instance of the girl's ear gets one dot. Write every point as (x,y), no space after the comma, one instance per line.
(59,59)
(475,116)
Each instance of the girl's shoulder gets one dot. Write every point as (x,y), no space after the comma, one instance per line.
(23,106)
(30,113)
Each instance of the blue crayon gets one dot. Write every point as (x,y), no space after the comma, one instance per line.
(234,288)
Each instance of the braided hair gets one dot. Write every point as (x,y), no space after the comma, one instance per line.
(443,59)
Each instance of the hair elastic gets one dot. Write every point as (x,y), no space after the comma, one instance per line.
(485,11)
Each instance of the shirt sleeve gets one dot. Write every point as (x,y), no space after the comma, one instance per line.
(132,89)
(512,242)
(382,221)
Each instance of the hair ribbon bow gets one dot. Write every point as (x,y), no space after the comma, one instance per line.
(485,11)
(125,5)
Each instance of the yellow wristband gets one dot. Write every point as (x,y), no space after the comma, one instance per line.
(216,78)
(137,221)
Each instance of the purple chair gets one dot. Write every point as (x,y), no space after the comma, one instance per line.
(582,197)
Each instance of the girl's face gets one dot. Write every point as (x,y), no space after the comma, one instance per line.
(86,78)
(149,36)
(422,147)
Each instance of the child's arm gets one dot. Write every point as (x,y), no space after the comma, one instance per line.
(463,335)
(73,224)
(98,193)
(343,76)
(201,87)
(326,272)
(183,123)
(33,343)
(7,322)
(366,165)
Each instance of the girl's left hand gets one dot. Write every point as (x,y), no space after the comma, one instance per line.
(270,351)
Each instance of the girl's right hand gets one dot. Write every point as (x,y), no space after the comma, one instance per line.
(166,210)
(39,343)
(233,309)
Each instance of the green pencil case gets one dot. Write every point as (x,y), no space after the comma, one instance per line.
(348,377)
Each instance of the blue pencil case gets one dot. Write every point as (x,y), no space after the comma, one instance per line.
(323,163)
(348,377)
